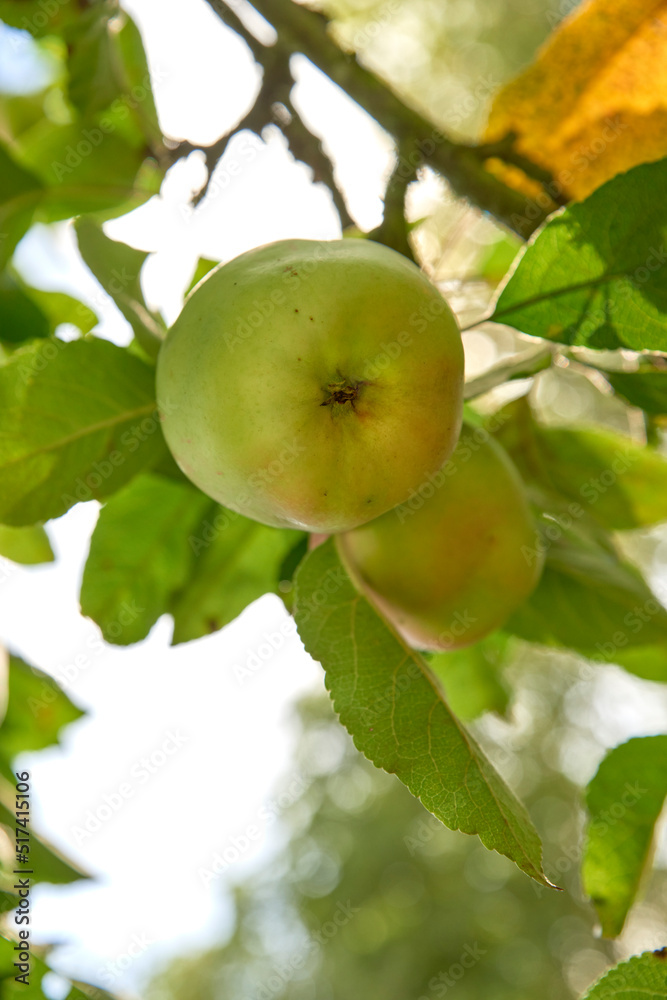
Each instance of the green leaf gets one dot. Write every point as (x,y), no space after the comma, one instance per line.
(13,990)
(647,390)
(29,546)
(237,561)
(591,601)
(46,862)
(624,801)
(86,167)
(77,422)
(60,308)
(20,317)
(623,485)
(472,677)
(28,313)
(392,705)
(8,900)
(20,192)
(117,267)
(93,71)
(496,258)
(644,977)
(204,265)
(19,112)
(140,554)
(38,17)
(595,274)
(136,77)
(37,709)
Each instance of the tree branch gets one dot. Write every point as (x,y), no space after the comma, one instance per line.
(305,31)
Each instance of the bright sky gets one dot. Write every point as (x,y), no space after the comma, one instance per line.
(216,746)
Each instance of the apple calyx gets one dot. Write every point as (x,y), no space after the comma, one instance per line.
(343,391)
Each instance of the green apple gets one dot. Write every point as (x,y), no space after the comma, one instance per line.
(453,563)
(312,384)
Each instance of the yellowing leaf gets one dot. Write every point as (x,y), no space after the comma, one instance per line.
(594,103)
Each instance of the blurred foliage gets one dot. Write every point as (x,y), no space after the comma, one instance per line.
(446,57)
(420,899)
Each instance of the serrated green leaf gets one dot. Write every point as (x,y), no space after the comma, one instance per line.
(236,562)
(595,274)
(77,422)
(644,977)
(472,677)
(29,546)
(117,267)
(20,193)
(140,554)
(624,801)
(394,708)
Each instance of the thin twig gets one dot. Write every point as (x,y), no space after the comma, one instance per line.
(305,31)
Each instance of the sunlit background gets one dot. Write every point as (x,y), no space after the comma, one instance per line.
(206,734)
